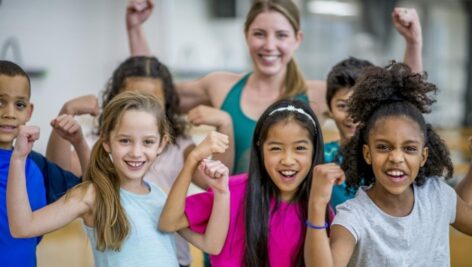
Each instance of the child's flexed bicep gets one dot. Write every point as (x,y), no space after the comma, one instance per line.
(319,250)
(213,240)
(463,221)
(22,221)
(173,215)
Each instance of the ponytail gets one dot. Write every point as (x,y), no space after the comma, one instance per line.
(294,81)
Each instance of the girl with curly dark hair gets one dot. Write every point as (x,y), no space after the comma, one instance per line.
(402,212)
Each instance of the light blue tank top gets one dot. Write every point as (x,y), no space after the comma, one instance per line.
(145,245)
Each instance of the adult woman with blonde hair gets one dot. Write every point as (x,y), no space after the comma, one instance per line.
(272,32)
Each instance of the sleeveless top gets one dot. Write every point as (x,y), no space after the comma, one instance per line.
(145,245)
(164,174)
(340,192)
(243,126)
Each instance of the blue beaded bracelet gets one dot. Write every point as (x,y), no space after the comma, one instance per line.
(309,224)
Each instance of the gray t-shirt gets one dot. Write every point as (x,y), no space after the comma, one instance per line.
(418,239)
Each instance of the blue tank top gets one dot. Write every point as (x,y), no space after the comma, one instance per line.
(145,245)
(243,125)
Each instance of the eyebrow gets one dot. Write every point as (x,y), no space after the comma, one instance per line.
(130,135)
(296,142)
(16,97)
(406,142)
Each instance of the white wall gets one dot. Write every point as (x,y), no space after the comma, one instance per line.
(80,43)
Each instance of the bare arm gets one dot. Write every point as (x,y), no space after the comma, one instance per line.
(22,221)
(69,129)
(198,178)
(213,240)
(407,23)
(463,220)
(173,215)
(58,149)
(221,120)
(464,187)
(319,250)
(137,12)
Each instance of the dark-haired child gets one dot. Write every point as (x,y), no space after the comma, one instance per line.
(268,206)
(340,84)
(119,209)
(402,212)
(46,182)
(145,75)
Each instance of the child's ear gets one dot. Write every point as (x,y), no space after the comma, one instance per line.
(366,154)
(424,155)
(30,109)
(106,146)
(163,144)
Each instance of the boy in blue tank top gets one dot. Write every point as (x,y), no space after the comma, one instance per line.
(45,182)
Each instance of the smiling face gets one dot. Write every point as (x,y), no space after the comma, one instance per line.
(288,154)
(134,144)
(271,40)
(396,150)
(338,111)
(15,108)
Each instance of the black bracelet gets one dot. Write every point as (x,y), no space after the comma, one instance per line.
(309,224)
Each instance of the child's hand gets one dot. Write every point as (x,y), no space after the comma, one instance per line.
(24,141)
(138,11)
(68,128)
(208,116)
(87,104)
(324,177)
(215,174)
(407,23)
(214,143)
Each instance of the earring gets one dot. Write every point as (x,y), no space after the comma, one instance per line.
(111,158)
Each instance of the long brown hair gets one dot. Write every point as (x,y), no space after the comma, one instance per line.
(110,222)
(294,81)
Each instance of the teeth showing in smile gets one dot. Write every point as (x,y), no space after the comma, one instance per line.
(288,173)
(270,58)
(135,163)
(395,173)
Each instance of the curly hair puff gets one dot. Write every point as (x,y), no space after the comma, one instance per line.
(392,92)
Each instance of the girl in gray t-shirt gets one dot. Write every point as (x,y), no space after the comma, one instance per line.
(401,214)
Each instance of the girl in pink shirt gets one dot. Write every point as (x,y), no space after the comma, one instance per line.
(268,206)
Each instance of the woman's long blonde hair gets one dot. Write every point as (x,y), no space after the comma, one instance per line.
(294,81)
(110,222)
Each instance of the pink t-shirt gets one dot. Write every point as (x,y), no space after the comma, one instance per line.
(285,235)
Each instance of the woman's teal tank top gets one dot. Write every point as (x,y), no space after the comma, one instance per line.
(243,126)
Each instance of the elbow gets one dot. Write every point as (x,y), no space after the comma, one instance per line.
(214,250)
(167,227)
(18,232)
